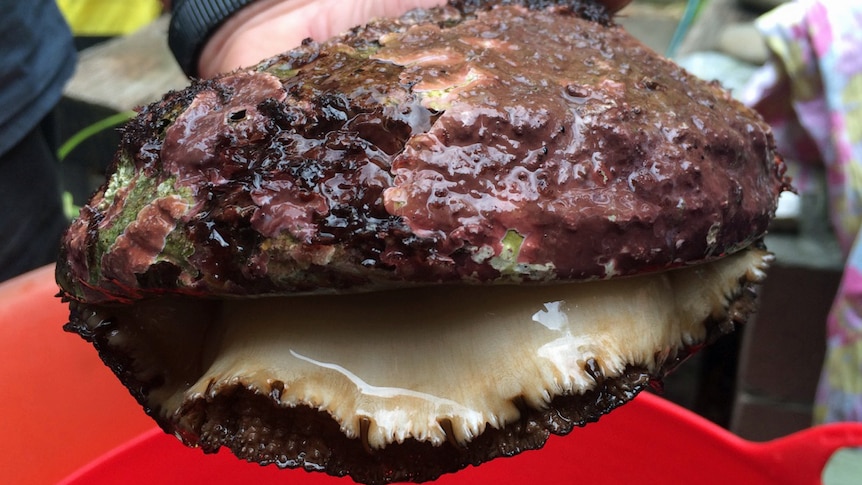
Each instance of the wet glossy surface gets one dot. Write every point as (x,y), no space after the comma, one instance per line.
(504,145)
(411,383)
(97,416)
(575,140)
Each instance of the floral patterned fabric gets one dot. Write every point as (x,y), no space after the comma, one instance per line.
(811,93)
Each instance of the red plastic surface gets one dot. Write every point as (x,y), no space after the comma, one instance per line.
(61,408)
(649,441)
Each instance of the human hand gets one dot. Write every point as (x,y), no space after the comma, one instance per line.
(267,27)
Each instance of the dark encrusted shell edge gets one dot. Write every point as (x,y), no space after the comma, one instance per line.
(302,437)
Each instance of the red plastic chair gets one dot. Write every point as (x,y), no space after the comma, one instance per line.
(61,409)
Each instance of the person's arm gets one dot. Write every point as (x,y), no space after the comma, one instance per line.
(213,36)
(192,24)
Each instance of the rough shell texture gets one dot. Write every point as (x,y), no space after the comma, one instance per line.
(473,145)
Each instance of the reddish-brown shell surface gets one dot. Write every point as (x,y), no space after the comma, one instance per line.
(494,146)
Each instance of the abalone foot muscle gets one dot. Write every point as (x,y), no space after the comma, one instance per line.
(413,383)
(302,437)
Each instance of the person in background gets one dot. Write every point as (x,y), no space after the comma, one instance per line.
(39,40)
(810,92)
(93,21)
(37,58)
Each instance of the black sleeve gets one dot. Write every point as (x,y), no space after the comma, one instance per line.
(192,23)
